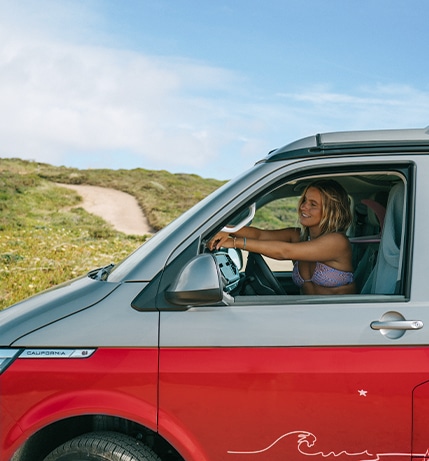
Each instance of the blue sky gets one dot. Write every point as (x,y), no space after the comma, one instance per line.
(205,87)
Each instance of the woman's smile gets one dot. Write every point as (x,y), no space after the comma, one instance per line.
(311,208)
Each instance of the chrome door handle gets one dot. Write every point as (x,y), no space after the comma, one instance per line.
(397,325)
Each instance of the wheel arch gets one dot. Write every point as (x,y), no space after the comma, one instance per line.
(47,438)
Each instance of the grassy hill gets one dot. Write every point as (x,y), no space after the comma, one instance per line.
(46,238)
(162,195)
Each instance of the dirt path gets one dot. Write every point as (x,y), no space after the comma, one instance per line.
(117,208)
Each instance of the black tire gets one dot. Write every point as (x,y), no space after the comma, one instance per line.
(102,446)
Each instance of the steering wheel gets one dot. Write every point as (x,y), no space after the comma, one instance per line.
(260,277)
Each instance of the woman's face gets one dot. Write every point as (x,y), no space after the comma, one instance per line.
(310,211)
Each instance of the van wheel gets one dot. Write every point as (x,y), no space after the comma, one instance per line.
(102,446)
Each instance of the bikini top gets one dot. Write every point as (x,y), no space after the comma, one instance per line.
(324,276)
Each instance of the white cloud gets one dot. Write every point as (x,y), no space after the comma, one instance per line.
(64,99)
(56,97)
(59,98)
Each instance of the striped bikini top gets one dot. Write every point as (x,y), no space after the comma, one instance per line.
(324,276)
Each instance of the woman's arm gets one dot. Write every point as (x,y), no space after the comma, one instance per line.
(332,248)
(226,240)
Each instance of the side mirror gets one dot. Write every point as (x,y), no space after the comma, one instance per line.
(199,283)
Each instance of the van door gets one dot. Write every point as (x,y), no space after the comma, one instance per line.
(280,382)
(298,377)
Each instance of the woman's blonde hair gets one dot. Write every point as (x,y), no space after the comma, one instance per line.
(336,213)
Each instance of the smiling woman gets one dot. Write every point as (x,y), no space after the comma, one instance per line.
(320,249)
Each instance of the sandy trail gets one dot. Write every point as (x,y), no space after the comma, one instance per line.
(118,208)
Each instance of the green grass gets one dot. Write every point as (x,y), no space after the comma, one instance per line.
(46,238)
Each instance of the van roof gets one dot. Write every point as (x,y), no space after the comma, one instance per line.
(352,142)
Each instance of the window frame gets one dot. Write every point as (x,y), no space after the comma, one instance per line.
(404,170)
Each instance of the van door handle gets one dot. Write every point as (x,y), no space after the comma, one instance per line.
(397,325)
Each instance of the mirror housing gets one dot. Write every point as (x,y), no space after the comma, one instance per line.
(198,283)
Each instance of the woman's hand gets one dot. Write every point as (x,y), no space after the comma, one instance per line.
(220,240)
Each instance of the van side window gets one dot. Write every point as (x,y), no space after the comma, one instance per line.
(377,234)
